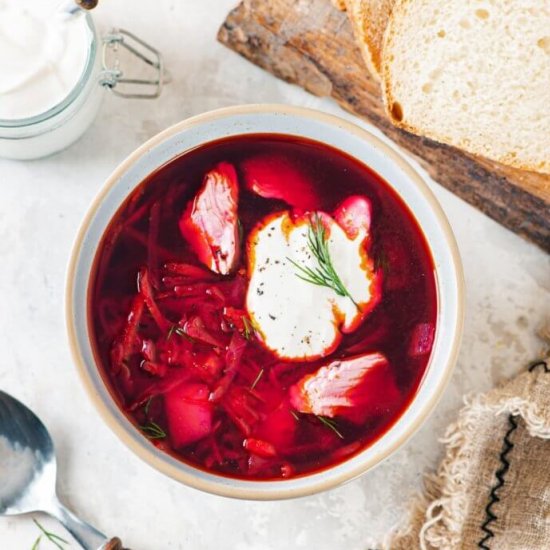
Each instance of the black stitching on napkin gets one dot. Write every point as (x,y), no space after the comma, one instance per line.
(538,364)
(500,474)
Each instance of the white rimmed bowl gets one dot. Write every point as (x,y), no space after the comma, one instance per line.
(273,119)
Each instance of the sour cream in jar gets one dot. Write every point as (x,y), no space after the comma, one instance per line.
(42,57)
(54,72)
(50,70)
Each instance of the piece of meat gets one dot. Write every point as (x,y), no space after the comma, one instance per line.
(353,215)
(353,388)
(210,222)
(275,176)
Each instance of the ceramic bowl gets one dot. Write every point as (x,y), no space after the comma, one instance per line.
(332,131)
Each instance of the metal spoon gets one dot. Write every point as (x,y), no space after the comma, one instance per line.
(28,474)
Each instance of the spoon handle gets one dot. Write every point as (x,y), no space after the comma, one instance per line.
(87,536)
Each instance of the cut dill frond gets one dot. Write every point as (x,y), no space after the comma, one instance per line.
(52,537)
(257,379)
(153,431)
(330,423)
(325,273)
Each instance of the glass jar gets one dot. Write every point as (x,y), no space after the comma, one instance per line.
(58,127)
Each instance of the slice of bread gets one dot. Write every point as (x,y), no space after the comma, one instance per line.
(474,74)
(369,19)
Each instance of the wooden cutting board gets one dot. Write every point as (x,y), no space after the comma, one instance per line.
(310,43)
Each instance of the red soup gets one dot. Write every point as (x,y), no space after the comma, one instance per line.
(263,307)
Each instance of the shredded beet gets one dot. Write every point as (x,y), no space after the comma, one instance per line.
(259,447)
(146,290)
(152,251)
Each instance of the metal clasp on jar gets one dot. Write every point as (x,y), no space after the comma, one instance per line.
(114,77)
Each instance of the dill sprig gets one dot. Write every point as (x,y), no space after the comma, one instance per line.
(147,405)
(180,332)
(325,274)
(330,423)
(153,431)
(257,379)
(52,537)
(175,329)
(294,414)
(171,331)
(248,328)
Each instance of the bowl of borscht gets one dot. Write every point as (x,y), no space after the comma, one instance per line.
(264,302)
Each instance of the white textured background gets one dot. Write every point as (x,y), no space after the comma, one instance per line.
(41,205)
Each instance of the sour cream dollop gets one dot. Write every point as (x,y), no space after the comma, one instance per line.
(298,320)
(42,57)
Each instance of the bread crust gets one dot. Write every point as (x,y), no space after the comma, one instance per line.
(369,26)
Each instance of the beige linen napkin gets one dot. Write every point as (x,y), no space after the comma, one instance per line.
(492,490)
